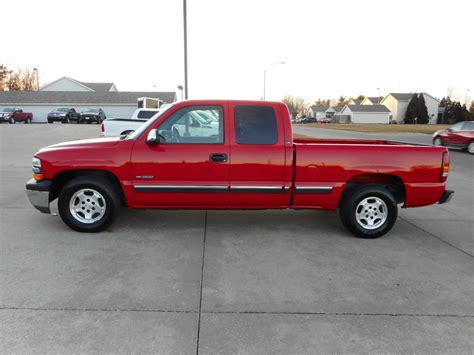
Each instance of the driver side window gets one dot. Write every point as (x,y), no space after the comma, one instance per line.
(194,125)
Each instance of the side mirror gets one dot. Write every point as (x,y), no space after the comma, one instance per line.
(153,138)
(450,129)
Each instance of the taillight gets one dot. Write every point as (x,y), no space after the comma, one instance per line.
(102,127)
(444,167)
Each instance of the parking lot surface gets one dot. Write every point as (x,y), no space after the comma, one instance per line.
(231,281)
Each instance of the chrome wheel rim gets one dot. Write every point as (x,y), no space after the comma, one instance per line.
(470,148)
(87,206)
(371,213)
(437,141)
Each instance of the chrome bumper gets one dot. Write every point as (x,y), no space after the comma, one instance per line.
(38,194)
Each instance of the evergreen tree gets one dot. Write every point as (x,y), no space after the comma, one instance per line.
(411,109)
(421,110)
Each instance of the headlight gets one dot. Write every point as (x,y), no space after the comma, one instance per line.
(37,172)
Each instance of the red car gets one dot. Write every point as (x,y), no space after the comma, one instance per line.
(460,135)
(13,115)
(216,154)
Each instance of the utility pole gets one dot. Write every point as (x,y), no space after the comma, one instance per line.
(185,27)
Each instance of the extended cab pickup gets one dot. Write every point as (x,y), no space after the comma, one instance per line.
(244,157)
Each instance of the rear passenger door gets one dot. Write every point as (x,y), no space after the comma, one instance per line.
(257,156)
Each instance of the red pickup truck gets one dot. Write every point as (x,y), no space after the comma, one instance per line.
(216,154)
(12,115)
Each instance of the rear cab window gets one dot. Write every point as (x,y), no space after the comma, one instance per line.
(255,125)
(146,114)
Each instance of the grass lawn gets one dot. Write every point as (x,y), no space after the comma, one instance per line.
(384,128)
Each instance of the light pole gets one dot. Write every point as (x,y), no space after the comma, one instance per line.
(37,79)
(180,88)
(378,97)
(185,28)
(265,76)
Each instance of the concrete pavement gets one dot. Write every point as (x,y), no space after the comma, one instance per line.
(230,282)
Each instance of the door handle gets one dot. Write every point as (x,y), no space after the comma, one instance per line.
(218,157)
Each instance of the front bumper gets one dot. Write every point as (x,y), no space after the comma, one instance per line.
(447,196)
(38,194)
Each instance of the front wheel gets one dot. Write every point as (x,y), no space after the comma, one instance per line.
(438,141)
(88,204)
(470,147)
(12,120)
(369,211)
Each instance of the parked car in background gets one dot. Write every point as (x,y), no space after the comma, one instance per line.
(308,120)
(324,120)
(96,115)
(13,115)
(460,135)
(113,127)
(63,115)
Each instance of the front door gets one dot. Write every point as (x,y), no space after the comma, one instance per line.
(189,168)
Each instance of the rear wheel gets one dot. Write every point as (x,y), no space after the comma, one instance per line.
(65,120)
(88,204)
(369,211)
(438,141)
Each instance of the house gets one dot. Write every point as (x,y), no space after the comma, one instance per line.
(354,102)
(67,92)
(318,111)
(69,84)
(367,113)
(397,103)
(372,100)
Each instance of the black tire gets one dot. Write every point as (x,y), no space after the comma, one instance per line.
(438,141)
(350,206)
(50,121)
(12,120)
(109,192)
(65,120)
(470,147)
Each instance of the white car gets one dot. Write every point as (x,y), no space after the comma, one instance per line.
(112,127)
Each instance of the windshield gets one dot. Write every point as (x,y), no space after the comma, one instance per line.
(468,126)
(138,132)
(8,109)
(62,109)
(92,110)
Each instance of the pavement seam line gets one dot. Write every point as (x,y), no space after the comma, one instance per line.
(435,236)
(236,312)
(201,283)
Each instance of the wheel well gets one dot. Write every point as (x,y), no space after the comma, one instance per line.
(392,183)
(64,177)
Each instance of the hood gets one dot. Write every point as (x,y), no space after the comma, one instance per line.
(96,143)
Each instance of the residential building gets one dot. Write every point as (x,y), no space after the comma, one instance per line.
(397,103)
(369,113)
(372,100)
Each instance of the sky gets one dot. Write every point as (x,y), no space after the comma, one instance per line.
(330,48)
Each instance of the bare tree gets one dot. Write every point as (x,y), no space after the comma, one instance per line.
(297,106)
(14,81)
(28,80)
(3,76)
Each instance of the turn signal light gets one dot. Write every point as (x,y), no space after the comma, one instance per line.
(37,177)
(445,167)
